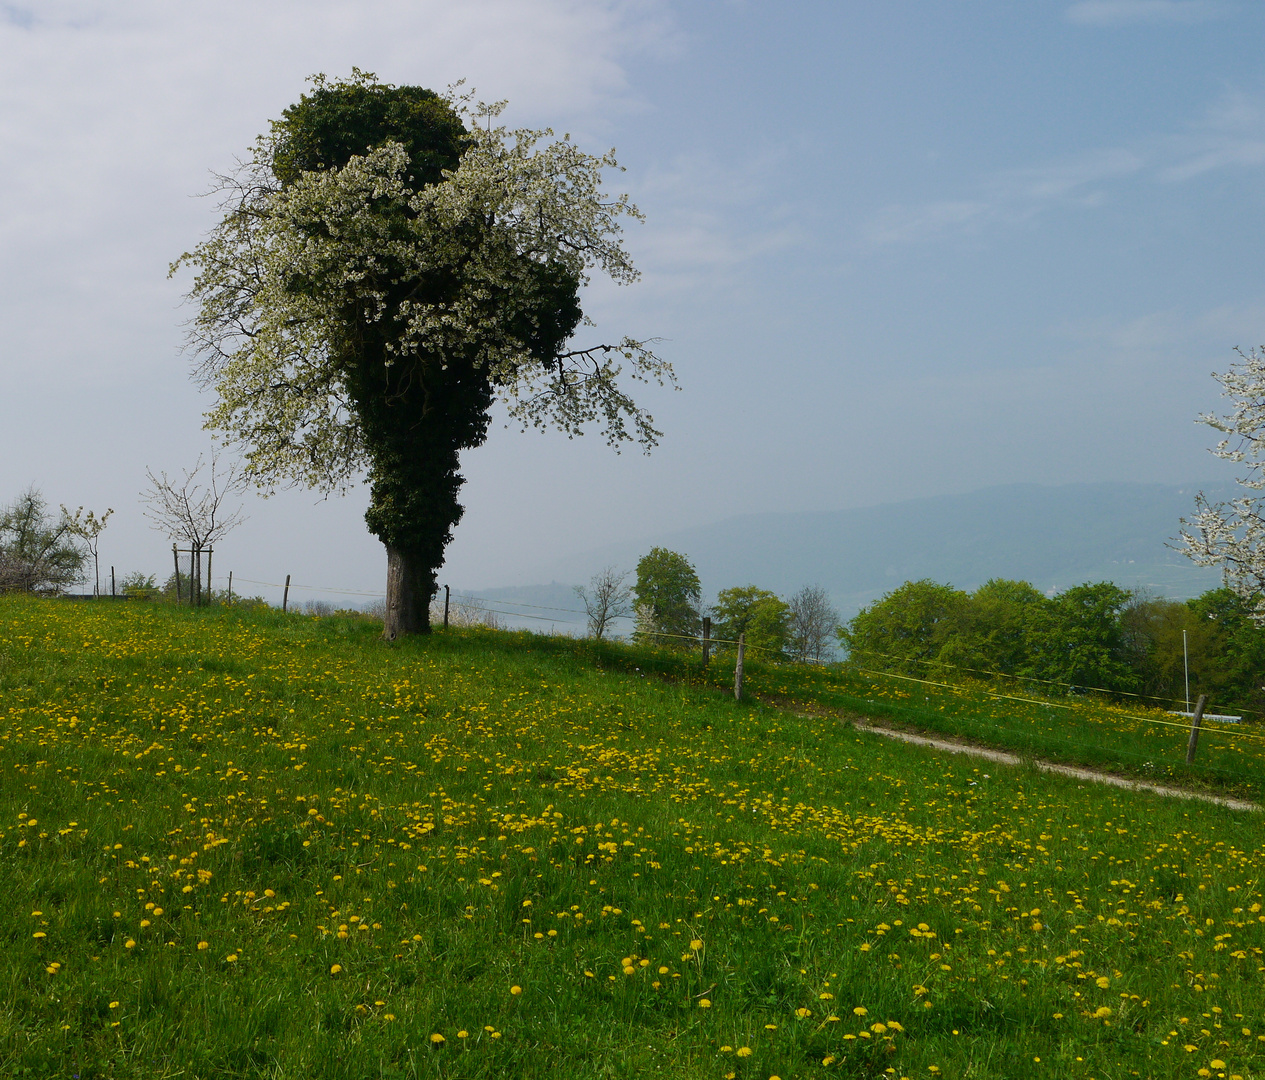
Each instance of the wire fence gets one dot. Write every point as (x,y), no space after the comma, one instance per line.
(1234,733)
(1069,687)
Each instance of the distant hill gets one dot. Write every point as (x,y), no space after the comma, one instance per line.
(1054,537)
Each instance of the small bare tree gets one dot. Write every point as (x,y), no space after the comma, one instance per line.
(88,527)
(197,514)
(811,624)
(606,600)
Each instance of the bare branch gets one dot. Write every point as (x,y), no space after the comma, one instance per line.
(192,511)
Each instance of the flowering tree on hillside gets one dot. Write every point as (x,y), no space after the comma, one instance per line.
(391,262)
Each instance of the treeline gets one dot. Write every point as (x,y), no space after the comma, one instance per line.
(1092,637)
(665,602)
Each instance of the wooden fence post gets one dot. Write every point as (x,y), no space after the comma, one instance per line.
(742,652)
(112,592)
(210,592)
(230,586)
(1194,729)
(175,558)
(707,640)
(447,597)
(285,596)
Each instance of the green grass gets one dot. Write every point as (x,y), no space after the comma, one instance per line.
(1123,737)
(508,811)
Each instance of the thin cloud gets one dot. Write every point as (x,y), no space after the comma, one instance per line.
(1232,134)
(914,224)
(1131,12)
(706,221)
(23,18)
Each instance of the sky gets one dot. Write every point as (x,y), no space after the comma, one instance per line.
(892,250)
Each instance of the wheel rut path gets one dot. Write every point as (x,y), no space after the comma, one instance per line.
(1093,776)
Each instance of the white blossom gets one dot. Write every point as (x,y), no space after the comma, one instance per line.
(1232,534)
(293,271)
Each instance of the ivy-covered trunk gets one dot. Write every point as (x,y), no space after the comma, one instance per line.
(418,417)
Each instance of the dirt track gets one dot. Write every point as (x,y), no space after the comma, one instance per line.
(1004,758)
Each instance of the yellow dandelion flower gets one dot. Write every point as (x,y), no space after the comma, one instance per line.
(803,1013)
(437,1039)
(129,944)
(335,969)
(114,1004)
(1217,1063)
(463,1034)
(705,1003)
(1103,982)
(203,945)
(860,1010)
(744,1051)
(516,990)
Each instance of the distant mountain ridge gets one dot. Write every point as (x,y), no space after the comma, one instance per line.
(1053,537)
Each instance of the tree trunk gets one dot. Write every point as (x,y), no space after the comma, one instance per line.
(410,586)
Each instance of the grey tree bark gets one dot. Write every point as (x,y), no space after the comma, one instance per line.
(410,586)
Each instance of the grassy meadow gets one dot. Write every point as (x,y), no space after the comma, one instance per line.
(241,844)
(1128,736)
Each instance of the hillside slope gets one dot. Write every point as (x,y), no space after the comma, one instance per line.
(242,844)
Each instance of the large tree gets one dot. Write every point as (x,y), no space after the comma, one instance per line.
(390,262)
(759,614)
(668,597)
